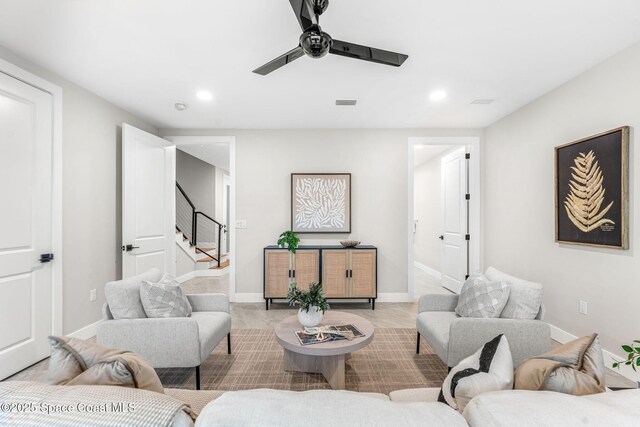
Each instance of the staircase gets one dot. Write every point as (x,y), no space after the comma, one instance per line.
(199,236)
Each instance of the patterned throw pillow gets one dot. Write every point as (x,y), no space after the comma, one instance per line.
(488,369)
(480,297)
(164,299)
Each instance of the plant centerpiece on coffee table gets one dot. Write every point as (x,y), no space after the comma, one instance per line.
(290,239)
(312,303)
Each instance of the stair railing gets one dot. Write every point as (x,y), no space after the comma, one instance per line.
(187,219)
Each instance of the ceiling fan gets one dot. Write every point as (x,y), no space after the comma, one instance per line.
(315,43)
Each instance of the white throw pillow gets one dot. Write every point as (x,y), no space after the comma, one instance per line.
(481,297)
(488,369)
(525,297)
(165,298)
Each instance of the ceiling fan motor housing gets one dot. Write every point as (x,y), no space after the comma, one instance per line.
(315,42)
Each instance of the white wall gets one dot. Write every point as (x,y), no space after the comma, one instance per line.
(377,160)
(519,202)
(427,210)
(91,145)
(198,180)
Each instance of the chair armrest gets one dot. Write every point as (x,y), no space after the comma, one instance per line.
(209,302)
(437,302)
(526,338)
(164,343)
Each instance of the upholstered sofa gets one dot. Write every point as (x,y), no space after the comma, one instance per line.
(177,342)
(453,337)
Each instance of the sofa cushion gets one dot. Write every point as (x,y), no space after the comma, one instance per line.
(123,296)
(434,328)
(164,298)
(488,369)
(524,408)
(213,326)
(481,297)
(78,362)
(576,367)
(196,399)
(315,408)
(409,395)
(525,298)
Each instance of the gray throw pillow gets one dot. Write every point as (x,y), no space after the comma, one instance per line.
(481,297)
(164,299)
(525,297)
(123,296)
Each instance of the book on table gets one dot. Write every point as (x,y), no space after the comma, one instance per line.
(327,333)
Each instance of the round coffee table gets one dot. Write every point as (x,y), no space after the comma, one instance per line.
(325,358)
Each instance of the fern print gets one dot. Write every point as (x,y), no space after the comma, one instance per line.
(586,194)
(320,203)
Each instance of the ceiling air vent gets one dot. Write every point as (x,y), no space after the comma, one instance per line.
(482,101)
(350,102)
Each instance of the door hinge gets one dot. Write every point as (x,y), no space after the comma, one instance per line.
(46,257)
(467,196)
(467,237)
(467,155)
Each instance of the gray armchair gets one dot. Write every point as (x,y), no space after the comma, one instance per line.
(178,342)
(453,338)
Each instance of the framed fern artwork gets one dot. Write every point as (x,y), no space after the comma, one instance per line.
(592,190)
(321,202)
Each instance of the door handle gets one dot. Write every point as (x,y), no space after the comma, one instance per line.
(441,237)
(129,248)
(346,274)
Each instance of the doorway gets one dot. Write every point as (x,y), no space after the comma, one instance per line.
(443,222)
(31,221)
(205,172)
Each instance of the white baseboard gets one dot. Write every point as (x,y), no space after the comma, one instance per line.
(188,276)
(248,297)
(430,271)
(563,337)
(87,332)
(203,273)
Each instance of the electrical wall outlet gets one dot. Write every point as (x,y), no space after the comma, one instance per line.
(583,307)
(93,295)
(241,223)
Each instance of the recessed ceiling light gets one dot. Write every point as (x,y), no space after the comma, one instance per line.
(482,101)
(347,102)
(204,95)
(438,95)
(180,106)
(202,145)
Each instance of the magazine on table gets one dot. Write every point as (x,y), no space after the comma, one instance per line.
(322,334)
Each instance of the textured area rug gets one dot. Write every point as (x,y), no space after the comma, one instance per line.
(389,363)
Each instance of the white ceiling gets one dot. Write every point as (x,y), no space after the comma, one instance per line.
(216,154)
(145,55)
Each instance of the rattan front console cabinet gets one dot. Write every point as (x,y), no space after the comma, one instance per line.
(345,273)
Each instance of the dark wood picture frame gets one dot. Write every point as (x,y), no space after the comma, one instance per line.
(295,205)
(592,190)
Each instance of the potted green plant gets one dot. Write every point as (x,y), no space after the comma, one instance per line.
(312,303)
(633,357)
(290,239)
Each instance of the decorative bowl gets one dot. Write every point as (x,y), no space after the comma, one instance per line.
(350,243)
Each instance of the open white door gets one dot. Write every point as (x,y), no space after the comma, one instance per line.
(454,220)
(148,202)
(25,224)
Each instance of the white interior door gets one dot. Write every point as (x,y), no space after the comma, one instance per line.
(454,220)
(226,193)
(25,224)
(148,201)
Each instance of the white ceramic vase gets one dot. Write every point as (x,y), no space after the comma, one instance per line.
(311,318)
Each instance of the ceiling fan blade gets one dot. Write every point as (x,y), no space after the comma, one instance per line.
(304,13)
(280,61)
(356,51)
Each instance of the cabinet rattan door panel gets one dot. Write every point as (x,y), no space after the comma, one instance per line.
(306,267)
(277,266)
(363,273)
(335,264)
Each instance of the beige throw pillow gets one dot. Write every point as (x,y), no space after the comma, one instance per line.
(576,367)
(77,362)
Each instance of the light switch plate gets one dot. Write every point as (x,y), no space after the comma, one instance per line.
(583,307)
(241,223)
(92,295)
